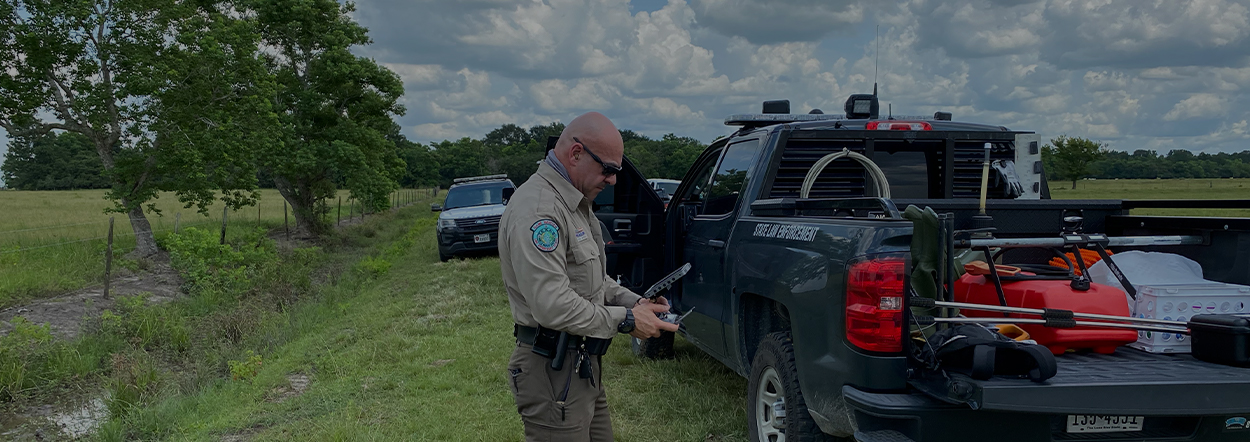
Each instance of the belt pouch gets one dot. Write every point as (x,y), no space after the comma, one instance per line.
(545,343)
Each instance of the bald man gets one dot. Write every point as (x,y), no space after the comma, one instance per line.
(564,306)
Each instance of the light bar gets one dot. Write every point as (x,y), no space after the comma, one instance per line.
(479,178)
(898,125)
(767,119)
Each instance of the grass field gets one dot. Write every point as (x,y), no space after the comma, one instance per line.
(53,241)
(403,347)
(419,354)
(1159,189)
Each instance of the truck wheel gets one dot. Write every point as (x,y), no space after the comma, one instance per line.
(653,348)
(443,257)
(773,377)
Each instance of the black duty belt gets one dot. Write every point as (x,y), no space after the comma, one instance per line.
(529,335)
(545,341)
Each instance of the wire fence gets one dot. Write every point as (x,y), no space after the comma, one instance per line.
(26,239)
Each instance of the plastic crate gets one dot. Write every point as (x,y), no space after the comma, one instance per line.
(1181,302)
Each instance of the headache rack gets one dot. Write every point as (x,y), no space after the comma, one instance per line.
(926,157)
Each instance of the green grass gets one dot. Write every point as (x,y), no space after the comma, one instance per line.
(1159,189)
(418,352)
(35,260)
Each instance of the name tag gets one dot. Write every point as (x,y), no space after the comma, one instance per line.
(581,235)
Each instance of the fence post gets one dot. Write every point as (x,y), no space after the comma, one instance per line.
(224,211)
(177,221)
(108,260)
(286,221)
(338,219)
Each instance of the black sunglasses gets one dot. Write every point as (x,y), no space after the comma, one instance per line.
(608,169)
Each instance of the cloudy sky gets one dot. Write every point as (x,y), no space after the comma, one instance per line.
(1137,74)
(1159,75)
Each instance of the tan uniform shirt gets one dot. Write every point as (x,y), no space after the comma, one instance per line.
(552,255)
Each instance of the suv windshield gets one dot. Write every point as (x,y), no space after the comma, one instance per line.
(475,195)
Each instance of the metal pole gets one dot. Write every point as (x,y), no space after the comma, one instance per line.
(224,211)
(1038,311)
(1113,241)
(1043,321)
(339,217)
(108,260)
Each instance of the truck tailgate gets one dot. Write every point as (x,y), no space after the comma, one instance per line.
(1129,382)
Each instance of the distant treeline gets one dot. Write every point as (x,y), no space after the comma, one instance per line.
(69,161)
(1174,164)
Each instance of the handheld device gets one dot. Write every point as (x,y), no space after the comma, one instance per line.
(664,283)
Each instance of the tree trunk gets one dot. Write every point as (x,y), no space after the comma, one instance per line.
(145,241)
(303,204)
(1073,184)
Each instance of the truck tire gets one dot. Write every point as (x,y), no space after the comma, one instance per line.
(774,376)
(653,348)
(442,257)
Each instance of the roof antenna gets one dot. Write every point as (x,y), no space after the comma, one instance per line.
(876,61)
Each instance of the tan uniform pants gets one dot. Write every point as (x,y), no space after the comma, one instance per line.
(538,390)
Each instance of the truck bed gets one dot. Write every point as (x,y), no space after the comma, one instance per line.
(1128,382)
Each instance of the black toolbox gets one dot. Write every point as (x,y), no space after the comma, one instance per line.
(1222,339)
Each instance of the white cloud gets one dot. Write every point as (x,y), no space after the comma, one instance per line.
(1200,105)
(778,21)
(1162,74)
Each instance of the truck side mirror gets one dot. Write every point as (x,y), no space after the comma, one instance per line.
(507,194)
(436,208)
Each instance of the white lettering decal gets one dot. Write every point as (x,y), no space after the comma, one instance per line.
(783,231)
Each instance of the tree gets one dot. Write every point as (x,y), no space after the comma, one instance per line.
(335,108)
(53,162)
(169,92)
(421,166)
(461,158)
(1069,158)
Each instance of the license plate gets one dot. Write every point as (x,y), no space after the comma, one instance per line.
(481,238)
(1085,423)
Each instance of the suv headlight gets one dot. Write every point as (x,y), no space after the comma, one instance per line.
(446,223)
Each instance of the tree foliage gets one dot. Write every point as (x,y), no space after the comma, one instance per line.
(1174,164)
(169,92)
(1069,158)
(53,162)
(515,151)
(335,108)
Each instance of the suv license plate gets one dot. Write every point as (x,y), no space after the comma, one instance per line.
(1085,423)
(481,238)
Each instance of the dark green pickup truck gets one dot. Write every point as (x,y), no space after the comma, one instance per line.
(769,285)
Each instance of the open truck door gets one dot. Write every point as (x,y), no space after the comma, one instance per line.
(631,217)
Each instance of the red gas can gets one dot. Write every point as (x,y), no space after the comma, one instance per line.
(1057,294)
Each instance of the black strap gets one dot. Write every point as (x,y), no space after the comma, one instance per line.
(998,283)
(1115,270)
(1046,365)
(983,361)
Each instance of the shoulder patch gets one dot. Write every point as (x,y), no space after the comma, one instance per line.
(546,235)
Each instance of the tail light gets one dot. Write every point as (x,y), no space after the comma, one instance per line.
(874,304)
(898,125)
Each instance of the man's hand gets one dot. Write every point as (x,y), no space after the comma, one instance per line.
(647,324)
(658,300)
